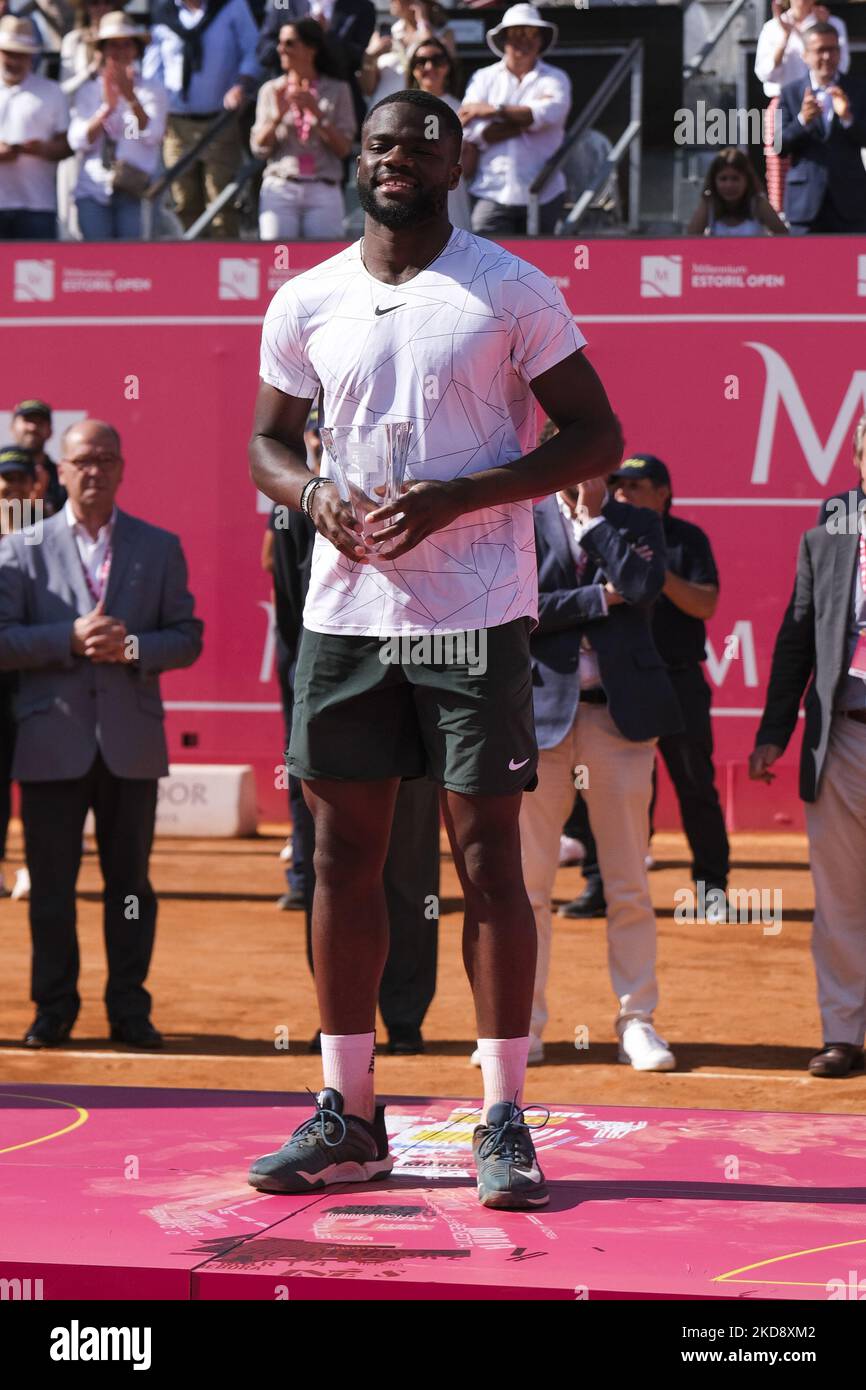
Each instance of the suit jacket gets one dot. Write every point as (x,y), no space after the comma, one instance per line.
(812,649)
(641,698)
(68,707)
(822,163)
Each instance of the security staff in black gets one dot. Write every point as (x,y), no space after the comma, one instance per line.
(689,598)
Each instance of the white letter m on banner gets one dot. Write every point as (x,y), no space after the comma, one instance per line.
(782,386)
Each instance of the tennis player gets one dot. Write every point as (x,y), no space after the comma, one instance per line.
(419,321)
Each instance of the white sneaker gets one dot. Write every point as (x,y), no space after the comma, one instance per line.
(641,1046)
(286,852)
(21,887)
(535,1058)
(570,851)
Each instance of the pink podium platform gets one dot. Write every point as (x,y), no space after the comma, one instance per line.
(109,1192)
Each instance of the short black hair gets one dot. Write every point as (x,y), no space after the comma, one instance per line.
(432,105)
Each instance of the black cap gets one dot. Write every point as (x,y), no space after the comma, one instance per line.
(14,459)
(644,466)
(33,407)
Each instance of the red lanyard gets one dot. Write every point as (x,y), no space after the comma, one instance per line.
(97,593)
(863,561)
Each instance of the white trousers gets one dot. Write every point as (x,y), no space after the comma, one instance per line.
(288,211)
(836,823)
(619,783)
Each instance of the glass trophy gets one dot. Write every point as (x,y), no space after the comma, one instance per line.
(367,463)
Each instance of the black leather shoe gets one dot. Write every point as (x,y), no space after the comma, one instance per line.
(591,902)
(137,1032)
(837,1059)
(405,1042)
(46,1031)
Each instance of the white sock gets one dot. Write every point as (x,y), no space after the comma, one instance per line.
(503,1068)
(347,1064)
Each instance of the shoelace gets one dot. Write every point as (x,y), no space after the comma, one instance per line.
(322,1115)
(499,1137)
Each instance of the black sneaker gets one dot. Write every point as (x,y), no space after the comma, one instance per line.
(328,1148)
(508,1171)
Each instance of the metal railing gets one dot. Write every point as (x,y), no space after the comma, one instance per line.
(154,194)
(710,42)
(629,66)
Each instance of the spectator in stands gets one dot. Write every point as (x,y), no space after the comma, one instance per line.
(90,639)
(117,126)
(33,121)
(305,125)
(823,129)
(17,477)
(733,203)
(385,68)
(688,599)
(431,67)
(415,20)
(779,60)
(821,649)
(51,20)
(601,697)
(203,52)
(348,25)
(79,57)
(515,112)
(31,429)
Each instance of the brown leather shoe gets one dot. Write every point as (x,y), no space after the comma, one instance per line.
(837,1059)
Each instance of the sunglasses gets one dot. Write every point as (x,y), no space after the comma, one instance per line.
(439,61)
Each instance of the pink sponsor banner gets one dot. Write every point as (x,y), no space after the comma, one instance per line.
(738,362)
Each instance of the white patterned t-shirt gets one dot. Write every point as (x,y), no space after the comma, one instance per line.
(453,350)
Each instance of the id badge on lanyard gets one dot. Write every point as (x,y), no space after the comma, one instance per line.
(97,590)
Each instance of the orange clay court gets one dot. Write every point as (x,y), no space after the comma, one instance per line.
(229,977)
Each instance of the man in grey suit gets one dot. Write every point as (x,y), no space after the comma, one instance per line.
(90,617)
(822,644)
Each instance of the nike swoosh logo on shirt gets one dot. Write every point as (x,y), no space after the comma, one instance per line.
(379,312)
(515,767)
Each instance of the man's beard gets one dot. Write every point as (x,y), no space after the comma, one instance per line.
(395,216)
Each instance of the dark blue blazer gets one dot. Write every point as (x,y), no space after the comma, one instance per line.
(641,698)
(824,163)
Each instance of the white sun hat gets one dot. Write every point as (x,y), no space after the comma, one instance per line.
(526,16)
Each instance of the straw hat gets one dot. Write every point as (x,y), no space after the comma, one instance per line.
(16,36)
(526,16)
(117,25)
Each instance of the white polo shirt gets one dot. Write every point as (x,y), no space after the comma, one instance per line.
(34,109)
(453,350)
(506,170)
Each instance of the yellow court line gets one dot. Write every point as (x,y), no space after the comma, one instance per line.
(781,1283)
(777,1259)
(82,1117)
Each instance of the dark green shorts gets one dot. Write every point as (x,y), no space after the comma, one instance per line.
(369,708)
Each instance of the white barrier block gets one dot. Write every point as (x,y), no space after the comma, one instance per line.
(203,800)
(207,799)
